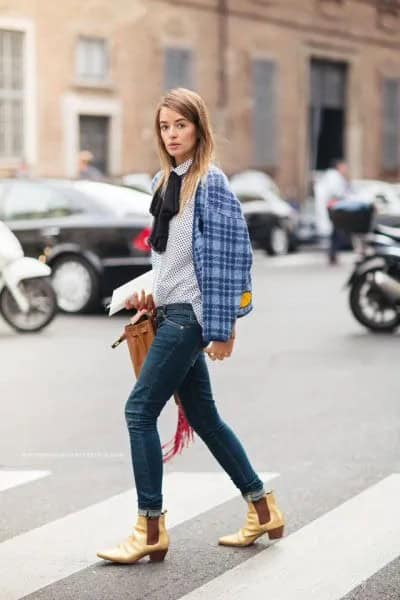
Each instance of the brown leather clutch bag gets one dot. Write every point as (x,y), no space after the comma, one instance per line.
(139,336)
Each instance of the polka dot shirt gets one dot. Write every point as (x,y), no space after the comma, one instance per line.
(174,275)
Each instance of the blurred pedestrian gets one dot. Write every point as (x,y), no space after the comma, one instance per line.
(201,260)
(333,185)
(86,168)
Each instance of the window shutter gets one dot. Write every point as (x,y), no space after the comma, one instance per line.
(11,94)
(390,125)
(264,113)
(178,68)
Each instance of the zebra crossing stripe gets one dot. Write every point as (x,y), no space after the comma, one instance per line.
(325,559)
(54,551)
(10,478)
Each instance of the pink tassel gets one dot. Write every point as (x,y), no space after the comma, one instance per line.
(183,436)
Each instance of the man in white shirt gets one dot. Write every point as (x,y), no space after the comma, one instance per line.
(333,184)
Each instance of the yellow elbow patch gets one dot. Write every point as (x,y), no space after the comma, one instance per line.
(245,299)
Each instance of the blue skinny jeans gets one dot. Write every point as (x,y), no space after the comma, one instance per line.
(176,362)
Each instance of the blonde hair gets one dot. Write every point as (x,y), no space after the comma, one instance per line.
(191,106)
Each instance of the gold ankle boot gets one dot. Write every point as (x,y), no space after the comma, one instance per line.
(263,516)
(149,538)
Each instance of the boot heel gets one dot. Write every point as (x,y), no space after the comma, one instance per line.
(158,556)
(276,534)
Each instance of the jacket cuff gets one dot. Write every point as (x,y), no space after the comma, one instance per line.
(244,311)
(219,335)
(208,338)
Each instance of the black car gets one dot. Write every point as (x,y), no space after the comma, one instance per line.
(93,235)
(272,222)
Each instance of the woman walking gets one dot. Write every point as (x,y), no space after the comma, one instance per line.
(202,258)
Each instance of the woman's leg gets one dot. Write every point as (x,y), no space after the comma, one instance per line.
(263,514)
(196,396)
(334,244)
(171,355)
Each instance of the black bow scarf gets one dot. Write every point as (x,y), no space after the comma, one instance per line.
(163,208)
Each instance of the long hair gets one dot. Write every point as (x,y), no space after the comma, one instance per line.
(191,106)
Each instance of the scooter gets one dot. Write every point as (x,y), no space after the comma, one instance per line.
(375,281)
(27,300)
(374,284)
(380,237)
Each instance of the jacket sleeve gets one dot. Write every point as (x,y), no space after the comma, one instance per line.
(227,261)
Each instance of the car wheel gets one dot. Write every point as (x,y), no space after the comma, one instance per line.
(76,284)
(278,241)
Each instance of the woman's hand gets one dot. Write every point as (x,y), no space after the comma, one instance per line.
(220,350)
(140,302)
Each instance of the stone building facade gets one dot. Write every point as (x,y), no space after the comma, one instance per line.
(290,84)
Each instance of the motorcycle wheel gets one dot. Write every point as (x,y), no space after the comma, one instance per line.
(42,305)
(370,306)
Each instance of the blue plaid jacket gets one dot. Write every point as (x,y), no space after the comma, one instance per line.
(222,255)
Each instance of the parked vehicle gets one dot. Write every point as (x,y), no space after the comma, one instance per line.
(138,181)
(382,235)
(272,222)
(396,187)
(384,197)
(375,288)
(375,280)
(93,235)
(27,300)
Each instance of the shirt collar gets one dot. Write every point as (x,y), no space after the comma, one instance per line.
(183,168)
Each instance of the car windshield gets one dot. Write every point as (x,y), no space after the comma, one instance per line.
(38,199)
(254,182)
(114,198)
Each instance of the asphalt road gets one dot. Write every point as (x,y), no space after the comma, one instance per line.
(313,396)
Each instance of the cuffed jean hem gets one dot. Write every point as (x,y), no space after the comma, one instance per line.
(254,496)
(151,513)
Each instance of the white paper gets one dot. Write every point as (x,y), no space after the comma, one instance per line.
(123,292)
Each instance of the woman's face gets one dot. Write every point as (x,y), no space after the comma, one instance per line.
(178,134)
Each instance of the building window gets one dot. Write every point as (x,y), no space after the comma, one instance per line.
(11,94)
(391,125)
(178,71)
(264,114)
(92,60)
